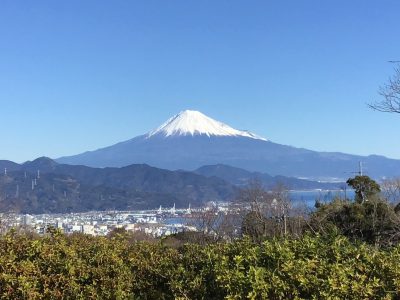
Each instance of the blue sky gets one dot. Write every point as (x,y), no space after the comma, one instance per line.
(80,75)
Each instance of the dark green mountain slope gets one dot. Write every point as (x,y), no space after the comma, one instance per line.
(45,186)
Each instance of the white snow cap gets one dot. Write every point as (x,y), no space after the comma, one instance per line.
(191,122)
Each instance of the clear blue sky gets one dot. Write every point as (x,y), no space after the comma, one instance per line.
(79,75)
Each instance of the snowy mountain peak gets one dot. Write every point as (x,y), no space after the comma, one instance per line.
(191,122)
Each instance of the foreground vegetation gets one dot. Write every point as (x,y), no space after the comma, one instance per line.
(118,267)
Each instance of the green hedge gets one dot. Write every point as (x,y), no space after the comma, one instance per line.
(84,267)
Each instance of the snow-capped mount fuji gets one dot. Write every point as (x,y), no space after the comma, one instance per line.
(191,122)
(190,140)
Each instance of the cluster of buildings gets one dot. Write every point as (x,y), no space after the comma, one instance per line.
(155,223)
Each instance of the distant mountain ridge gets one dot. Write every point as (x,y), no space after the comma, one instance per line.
(7,165)
(191,140)
(44,186)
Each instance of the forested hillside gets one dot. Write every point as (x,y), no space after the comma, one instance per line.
(43,186)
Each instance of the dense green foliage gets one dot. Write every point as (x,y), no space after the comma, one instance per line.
(364,187)
(117,267)
(370,218)
(374,221)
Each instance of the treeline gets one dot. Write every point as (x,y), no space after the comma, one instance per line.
(118,267)
(372,217)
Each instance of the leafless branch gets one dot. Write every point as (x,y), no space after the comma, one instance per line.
(391,95)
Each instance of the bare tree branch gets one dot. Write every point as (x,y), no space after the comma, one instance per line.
(391,95)
(391,190)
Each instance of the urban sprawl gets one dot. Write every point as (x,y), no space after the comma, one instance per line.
(156,223)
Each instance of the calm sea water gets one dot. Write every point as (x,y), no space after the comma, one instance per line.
(308,198)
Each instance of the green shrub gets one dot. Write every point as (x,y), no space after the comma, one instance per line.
(84,267)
